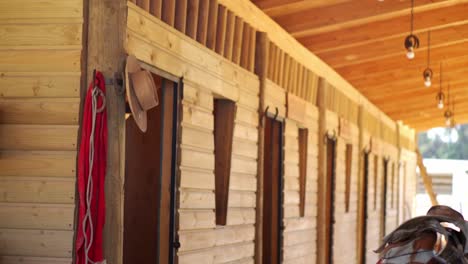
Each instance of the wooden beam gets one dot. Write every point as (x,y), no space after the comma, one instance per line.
(108,57)
(202,27)
(398,61)
(431,18)
(294,6)
(322,247)
(253,36)
(392,47)
(330,18)
(261,66)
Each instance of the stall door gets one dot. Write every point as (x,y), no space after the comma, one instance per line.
(150,174)
(366,205)
(383,219)
(273,192)
(330,196)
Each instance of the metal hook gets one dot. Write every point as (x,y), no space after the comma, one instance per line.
(266,110)
(276,113)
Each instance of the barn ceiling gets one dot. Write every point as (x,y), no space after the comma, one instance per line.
(363,41)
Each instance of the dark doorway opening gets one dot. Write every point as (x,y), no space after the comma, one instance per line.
(151,172)
(365,202)
(273,192)
(330,195)
(384,198)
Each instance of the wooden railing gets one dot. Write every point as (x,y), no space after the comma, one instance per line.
(210,24)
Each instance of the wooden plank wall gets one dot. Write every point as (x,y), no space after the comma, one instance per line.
(390,149)
(299,245)
(213,77)
(40,49)
(292,76)
(209,23)
(338,106)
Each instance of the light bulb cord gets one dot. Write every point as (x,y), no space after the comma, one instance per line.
(412,16)
(428,48)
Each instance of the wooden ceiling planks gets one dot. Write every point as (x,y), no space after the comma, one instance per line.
(363,42)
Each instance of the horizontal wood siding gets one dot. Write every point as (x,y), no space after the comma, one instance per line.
(345,222)
(40,53)
(299,244)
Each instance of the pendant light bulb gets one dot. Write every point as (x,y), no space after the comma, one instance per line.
(410,53)
(440,104)
(427,82)
(448,122)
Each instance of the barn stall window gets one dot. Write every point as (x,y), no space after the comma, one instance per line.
(303,145)
(224,116)
(349,157)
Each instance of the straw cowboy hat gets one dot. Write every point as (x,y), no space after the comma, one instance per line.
(141,91)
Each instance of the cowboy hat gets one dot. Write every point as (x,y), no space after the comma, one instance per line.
(141,91)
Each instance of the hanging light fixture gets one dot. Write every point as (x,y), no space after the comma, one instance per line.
(448,113)
(440,95)
(411,41)
(427,74)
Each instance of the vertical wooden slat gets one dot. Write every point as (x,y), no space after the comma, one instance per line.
(245,46)
(202,27)
(181,15)
(221,30)
(192,18)
(287,65)
(156,8)
(293,77)
(281,68)
(133,1)
(237,49)
(168,12)
(253,37)
(271,65)
(272,58)
(276,61)
(305,85)
(144,4)
(299,83)
(212,20)
(230,28)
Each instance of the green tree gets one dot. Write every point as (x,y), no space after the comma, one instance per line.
(437,145)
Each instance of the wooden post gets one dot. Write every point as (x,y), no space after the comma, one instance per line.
(253,37)
(426,179)
(105,52)
(322,246)
(361,195)
(244,62)
(261,66)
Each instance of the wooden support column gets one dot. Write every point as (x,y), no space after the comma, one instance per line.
(361,195)
(322,250)
(426,179)
(261,66)
(105,52)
